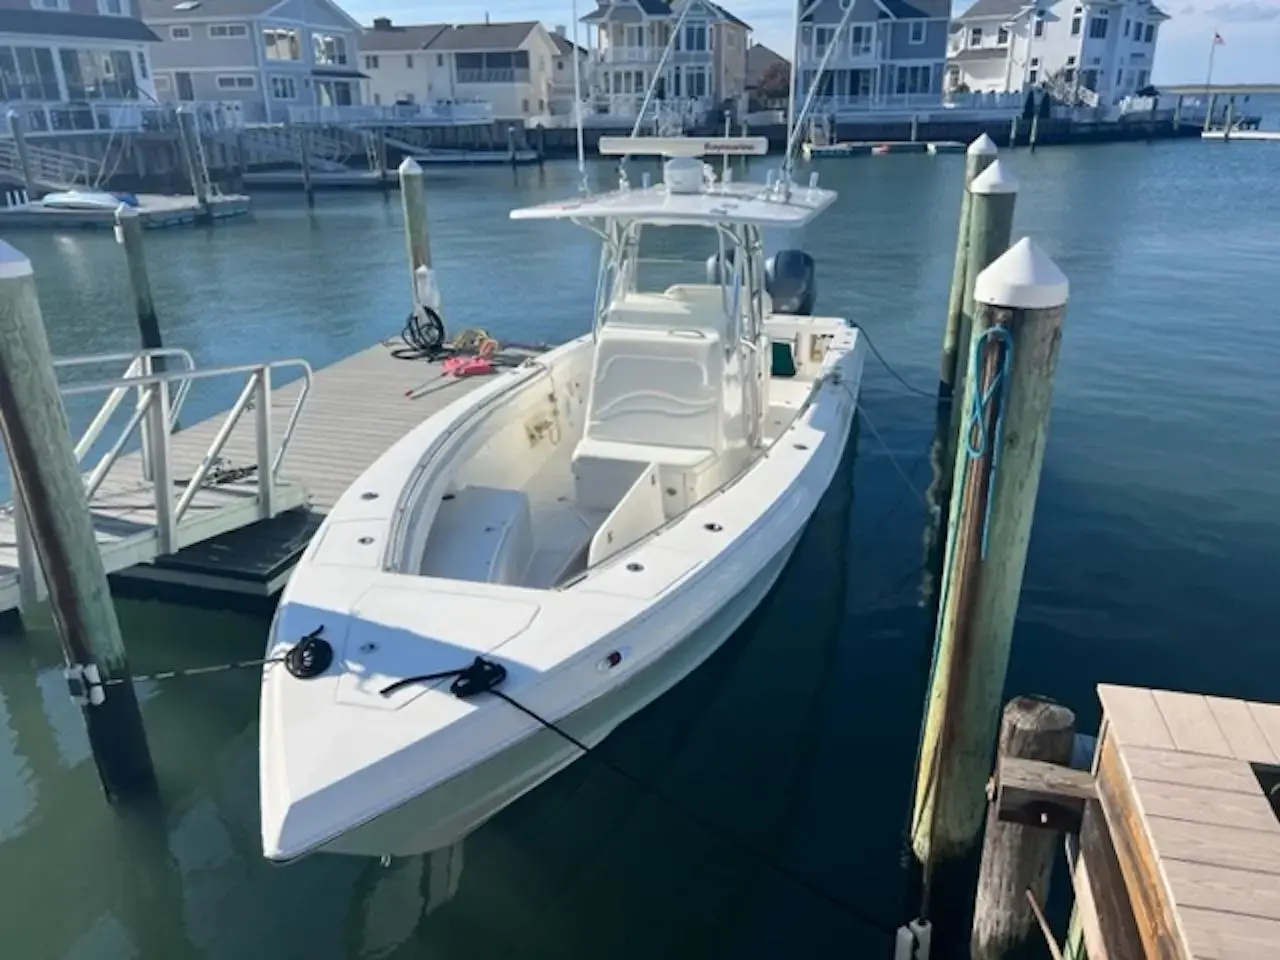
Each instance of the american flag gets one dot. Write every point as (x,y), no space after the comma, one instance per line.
(1217,38)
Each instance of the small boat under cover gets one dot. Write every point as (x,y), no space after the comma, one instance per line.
(87,200)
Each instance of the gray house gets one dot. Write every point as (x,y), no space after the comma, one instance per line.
(277,59)
(891,54)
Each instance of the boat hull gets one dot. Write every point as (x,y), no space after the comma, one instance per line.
(449,812)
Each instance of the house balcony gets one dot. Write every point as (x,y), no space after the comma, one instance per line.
(496,75)
(619,56)
(126,116)
(844,55)
(435,113)
(605,108)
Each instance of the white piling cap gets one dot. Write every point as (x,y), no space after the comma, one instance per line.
(997,178)
(124,210)
(13,262)
(1023,278)
(410,166)
(984,146)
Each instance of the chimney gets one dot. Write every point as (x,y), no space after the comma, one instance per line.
(561,30)
(382,23)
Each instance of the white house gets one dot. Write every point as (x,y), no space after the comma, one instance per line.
(1103,46)
(561,104)
(508,66)
(707,67)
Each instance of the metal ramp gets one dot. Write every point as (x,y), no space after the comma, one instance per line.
(51,169)
(147,501)
(279,144)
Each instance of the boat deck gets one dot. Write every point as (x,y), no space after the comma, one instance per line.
(154,210)
(358,408)
(1189,787)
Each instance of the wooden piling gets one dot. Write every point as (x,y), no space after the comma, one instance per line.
(303,142)
(380,149)
(51,492)
(1035,131)
(1016,857)
(980,155)
(129,236)
(1013,131)
(1177,114)
(994,196)
(1208,115)
(189,144)
(24,157)
(1015,340)
(1228,120)
(417,239)
(915,128)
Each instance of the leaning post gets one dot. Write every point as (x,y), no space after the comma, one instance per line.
(1022,299)
(51,492)
(189,142)
(302,140)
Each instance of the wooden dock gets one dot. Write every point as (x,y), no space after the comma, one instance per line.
(358,408)
(154,210)
(1178,852)
(1269,135)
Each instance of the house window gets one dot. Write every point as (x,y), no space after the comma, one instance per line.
(227,31)
(1033,75)
(1126,29)
(408,61)
(1098,26)
(283,88)
(1075,22)
(439,59)
(1120,77)
(860,40)
(281,44)
(913,79)
(162,82)
(695,37)
(179,33)
(1039,30)
(142,65)
(329,50)
(113,8)
(1150,33)
(524,107)
(371,62)
(975,36)
(239,82)
(377,99)
(1002,36)
(1142,79)
(49,4)
(822,37)
(916,34)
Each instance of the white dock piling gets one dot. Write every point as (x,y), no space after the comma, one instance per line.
(417,241)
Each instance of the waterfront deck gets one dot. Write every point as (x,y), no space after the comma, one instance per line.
(358,408)
(1269,135)
(154,210)
(1188,788)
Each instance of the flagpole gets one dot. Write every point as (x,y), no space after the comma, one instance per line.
(1213,48)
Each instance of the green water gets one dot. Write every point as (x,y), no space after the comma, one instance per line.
(1157,526)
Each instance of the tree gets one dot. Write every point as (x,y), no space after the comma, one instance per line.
(775,82)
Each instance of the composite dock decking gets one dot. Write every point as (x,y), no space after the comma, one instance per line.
(1188,787)
(358,408)
(1269,135)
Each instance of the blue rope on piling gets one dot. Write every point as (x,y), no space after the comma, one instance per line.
(978,410)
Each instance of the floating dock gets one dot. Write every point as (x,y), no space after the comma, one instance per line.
(357,409)
(154,210)
(1269,135)
(320,179)
(871,148)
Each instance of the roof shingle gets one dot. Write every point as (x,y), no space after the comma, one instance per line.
(410,36)
(57,24)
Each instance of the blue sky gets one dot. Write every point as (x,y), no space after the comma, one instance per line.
(1251,29)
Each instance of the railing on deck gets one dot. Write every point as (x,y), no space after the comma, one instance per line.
(160,396)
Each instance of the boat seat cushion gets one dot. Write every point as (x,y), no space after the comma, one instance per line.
(481,534)
(689,458)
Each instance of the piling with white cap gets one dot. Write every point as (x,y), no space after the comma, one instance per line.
(417,239)
(1016,333)
(51,494)
(129,236)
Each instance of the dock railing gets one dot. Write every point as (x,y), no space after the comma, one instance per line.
(161,381)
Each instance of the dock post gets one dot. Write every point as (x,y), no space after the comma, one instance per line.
(24,158)
(413,200)
(189,142)
(1035,131)
(1228,120)
(303,142)
(995,194)
(511,143)
(380,147)
(980,155)
(1013,131)
(129,236)
(1208,115)
(542,145)
(51,493)
(1018,859)
(1177,114)
(1022,299)
(915,127)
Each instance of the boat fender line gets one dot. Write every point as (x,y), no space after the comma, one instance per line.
(310,656)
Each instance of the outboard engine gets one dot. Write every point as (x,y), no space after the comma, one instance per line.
(790,276)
